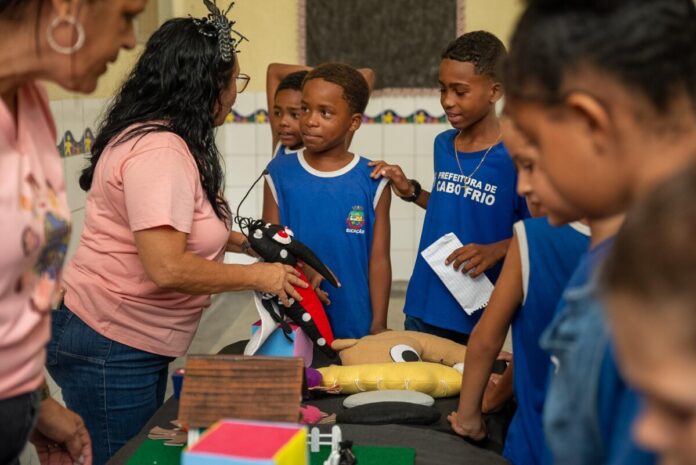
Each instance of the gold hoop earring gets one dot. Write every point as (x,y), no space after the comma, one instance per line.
(70,20)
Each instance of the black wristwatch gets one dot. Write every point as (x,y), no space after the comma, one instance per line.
(416,191)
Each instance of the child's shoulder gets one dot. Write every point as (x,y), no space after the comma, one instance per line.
(283,160)
(364,169)
(540,227)
(447,136)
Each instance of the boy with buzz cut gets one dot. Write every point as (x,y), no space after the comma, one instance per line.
(284,101)
(284,98)
(325,194)
(473,194)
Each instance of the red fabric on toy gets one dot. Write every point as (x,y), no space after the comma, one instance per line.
(313,306)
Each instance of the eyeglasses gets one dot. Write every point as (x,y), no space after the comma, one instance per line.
(242,81)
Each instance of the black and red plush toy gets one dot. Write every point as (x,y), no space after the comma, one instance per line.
(275,244)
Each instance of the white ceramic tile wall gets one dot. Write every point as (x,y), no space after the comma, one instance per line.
(246,149)
(367,141)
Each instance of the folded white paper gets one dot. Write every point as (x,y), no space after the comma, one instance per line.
(471,293)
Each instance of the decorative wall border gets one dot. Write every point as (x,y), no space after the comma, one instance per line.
(69,145)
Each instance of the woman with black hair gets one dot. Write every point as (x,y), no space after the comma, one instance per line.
(156,229)
(70,43)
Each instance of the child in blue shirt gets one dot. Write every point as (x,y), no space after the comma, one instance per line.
(610,106)
(325,194)
(473,194)
(284,98)
(537,266)
(284,95)
(650,304)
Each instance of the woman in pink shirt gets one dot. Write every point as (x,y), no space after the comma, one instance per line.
(70,43)
(155,233)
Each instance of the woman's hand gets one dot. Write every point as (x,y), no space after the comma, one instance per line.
(472,428)
(280,280)
(60,436)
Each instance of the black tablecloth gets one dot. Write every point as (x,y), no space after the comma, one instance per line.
(434,444)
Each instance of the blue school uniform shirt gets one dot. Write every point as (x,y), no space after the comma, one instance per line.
(333,213)
(589,409)
(548,256)
(480,209)
(284,150)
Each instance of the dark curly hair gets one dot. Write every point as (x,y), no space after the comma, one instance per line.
(292,81)
(175,86)
(648,45)
(355,89)
(481,48)
(15,9)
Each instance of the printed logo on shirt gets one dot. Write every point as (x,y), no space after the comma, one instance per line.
(466,187)
(356,220)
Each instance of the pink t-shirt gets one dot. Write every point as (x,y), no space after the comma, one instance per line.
(35,226)
(143,183)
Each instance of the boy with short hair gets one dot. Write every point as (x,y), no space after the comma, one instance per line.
(325,194)
(540,260)
(285,108)
(474,191)
(284,98)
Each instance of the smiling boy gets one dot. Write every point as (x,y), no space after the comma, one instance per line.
(474,190)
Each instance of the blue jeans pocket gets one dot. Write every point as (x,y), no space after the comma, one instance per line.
(72,337)
(59,319)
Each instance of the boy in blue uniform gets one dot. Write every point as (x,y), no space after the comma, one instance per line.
(284,95)
(473,194)
(537,266)
(610,106)
(326,196)
(284,98)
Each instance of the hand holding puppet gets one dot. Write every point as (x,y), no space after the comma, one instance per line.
(276,244)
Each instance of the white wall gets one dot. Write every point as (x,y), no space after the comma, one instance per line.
(246,148)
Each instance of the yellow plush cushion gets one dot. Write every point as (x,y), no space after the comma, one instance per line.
(433,379)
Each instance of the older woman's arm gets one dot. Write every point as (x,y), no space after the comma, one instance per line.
(168,264)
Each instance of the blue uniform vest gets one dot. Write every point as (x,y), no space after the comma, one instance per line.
(334,215)
(548,256)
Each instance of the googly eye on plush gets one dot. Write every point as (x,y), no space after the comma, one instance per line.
(404,353)
(282,237)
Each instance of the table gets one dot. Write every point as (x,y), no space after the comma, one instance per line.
(435,444)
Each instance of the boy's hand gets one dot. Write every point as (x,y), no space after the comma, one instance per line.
(378,328)
(473,428)
(476,258)
(315,280)
(394,174)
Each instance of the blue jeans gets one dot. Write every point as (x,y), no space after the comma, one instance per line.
(17,419)
(114,387)
(589,409)
(413,323)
